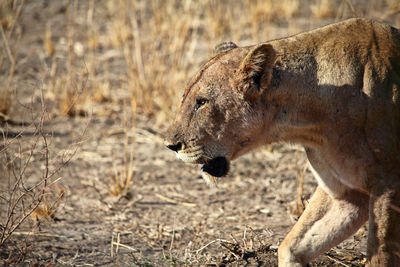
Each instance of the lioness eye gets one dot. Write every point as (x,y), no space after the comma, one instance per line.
(200,102)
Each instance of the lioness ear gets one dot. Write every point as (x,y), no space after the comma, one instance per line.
(223,47)
(255,71)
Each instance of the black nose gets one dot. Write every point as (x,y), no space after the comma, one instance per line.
(176,147)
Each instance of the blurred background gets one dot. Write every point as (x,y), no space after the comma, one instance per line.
(104,52)
(86,90)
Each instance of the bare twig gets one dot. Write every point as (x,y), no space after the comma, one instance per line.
(233,252)
(337,261)
(10,57)
(20,200)
(209,243)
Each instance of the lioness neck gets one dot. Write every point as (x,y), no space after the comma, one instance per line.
(320,91)
(293,89)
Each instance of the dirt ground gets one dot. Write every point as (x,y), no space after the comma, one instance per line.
(168,216)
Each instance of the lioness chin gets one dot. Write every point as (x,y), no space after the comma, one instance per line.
(336,91)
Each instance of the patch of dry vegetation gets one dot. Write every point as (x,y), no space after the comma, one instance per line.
(323,9)
(21,195)
(157,42)
(122,176)
(10,35)
(147,50)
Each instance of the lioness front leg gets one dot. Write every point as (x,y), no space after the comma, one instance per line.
(324,223)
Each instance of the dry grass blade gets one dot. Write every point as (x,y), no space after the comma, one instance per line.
(338,261)
(122,176)
(7,47)
(210,243)
(8,38)
(170,200)
(234,250)
(125,246)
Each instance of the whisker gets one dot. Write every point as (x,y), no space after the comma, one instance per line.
(207,157)
(191,151)
(197,148)
(192,154)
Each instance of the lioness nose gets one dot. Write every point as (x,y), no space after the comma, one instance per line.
(176,147)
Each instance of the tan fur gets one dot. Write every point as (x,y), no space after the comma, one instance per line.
(335,90)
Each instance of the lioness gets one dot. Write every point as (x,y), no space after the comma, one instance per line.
(336,91)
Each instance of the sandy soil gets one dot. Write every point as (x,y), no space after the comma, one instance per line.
(169,216)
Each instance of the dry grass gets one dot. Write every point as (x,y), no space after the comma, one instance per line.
(322,9)
(10,35)
(147,50)
(108,51)
(47,209)
(5,105)
(122,176)
(158,48)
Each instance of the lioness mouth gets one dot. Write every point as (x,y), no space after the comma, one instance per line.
(216,167)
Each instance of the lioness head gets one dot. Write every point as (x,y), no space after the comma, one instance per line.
(223,112)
